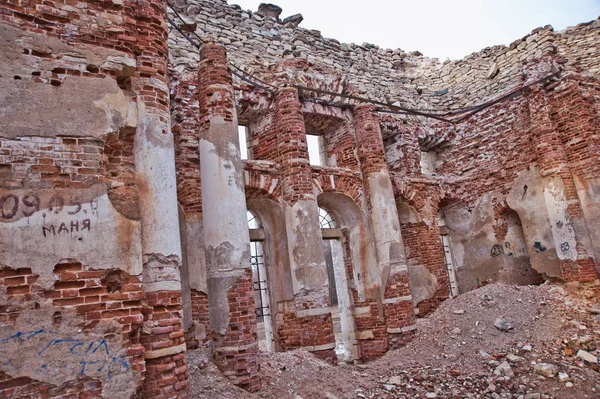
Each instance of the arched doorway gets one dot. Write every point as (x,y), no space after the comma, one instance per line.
(260,284)
(339,294)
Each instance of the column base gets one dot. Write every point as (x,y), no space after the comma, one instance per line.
(166,377)
(236,350)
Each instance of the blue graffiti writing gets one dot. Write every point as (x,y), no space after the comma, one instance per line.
(94,356)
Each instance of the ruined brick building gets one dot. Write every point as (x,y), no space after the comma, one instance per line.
(131,228)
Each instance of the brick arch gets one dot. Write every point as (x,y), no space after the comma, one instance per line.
(258,184)
(408,194)
(347,185)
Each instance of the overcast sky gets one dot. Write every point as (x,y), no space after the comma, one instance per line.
(437,28)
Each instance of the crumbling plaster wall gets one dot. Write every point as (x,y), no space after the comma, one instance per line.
(483,159)
(489,162)
(56,206)
(82,266)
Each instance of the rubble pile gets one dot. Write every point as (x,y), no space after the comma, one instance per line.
(499,341)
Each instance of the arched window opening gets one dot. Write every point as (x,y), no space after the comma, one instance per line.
(252,221)
(259,283)
(338,293)
(326,221)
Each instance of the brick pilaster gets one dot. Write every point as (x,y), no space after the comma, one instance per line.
(227,243)
(385,224)
(309,324)
(577,262)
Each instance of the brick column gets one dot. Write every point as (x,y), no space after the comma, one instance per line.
(385,226)
(226,238)
(569,229)
(162,336)
(310,325)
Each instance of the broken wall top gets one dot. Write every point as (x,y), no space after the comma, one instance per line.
(254,42)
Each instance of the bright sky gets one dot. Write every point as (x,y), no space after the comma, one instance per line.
(437,28)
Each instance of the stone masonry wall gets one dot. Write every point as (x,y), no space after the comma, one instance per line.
(377,73)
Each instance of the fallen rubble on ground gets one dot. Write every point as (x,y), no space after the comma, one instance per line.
(459,353)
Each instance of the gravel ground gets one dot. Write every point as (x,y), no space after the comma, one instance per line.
(458,353)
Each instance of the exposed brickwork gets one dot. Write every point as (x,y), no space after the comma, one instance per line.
(547,133)
(292,148)
(572,112)
(337,132)
(201,316)
(185,115)
(236,351)
(388,74)
(97,296)
(57,162)
(70,163)
(372,321)
(25,388)
(369,140)
(583,270)
(423,245)
(235,346)
(339,181)
(166,375)
(262,180)
(370,325)
(398,314)
(214,86)
(263,139)
(399,308)
(553,158)
(307,332)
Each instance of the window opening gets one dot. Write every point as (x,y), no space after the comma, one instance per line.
(315,149)
(449,267)
(428,160)
(325,220)
(260,287)
(259,284)
(243,140)
(252,220)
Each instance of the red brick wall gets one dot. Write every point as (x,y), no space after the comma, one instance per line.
(61,162)
(185,127)
(292,148)
(263,139)
(235,347)
(138,29)
(399,313)
(373,320)
(573,113)
(165,375)
(300,332)
(201,316)
(484,154)
(423,245)
(95,295)
(242,332)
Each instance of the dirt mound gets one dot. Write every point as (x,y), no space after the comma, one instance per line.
(494,342)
